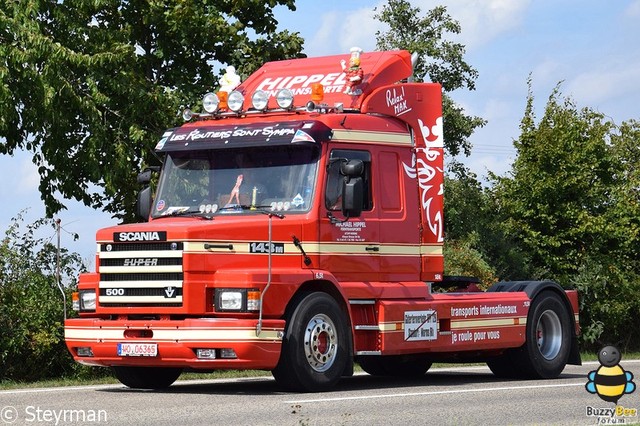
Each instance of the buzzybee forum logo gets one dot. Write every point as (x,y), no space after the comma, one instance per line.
(610,382)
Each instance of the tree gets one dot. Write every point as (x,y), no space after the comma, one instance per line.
(31,308)
(555,199)
(471,222)
(88,86)
(439,60)
(572,204)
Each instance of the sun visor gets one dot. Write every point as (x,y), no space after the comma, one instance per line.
(238,136)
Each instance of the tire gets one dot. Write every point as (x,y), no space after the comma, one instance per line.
(316,347)
(147,377)
(395,365)
(548,344)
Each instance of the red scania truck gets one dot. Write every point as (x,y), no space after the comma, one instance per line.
(297,227)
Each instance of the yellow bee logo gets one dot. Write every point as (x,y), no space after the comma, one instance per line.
(610,381)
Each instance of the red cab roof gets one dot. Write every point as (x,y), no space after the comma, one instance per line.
(379,69)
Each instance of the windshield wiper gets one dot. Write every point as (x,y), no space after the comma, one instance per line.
(258,209)
(193,213)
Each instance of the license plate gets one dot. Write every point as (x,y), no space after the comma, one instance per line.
(137,349)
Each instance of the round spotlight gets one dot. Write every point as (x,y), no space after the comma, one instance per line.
(235,101)
(187,114)
(284,98)
(210,102)
(260,100)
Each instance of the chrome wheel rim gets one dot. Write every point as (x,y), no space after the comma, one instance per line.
(549,334)
(320,343)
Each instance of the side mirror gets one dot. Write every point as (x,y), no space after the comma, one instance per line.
(352,197)
(352,168)
(352,188)
(144,177)
(143,205)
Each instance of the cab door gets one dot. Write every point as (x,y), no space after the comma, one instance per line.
(349,247)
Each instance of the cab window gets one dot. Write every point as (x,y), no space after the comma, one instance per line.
(333,193)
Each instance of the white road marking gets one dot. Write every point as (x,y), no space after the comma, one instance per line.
(456,391)
(58,389)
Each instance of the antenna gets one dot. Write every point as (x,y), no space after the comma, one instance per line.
(58,281)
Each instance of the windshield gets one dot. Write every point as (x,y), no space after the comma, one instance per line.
(223,181)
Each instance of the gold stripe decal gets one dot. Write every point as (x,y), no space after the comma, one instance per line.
(463,324)
(373,137)
(485,322)
(325,248)
(173,335)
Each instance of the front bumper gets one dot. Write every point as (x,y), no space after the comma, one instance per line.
(177,341)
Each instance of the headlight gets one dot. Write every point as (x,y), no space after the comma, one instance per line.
(237,300)
(210,102)
(87,300)
(284,98)
(230,300)
(260,100)
(235,101)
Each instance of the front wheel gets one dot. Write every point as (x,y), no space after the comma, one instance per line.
(316,347)
(147,377)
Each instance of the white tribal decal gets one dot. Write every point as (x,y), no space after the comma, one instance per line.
(422,168)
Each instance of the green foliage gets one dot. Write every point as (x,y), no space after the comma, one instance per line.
(571,204)
(88,86)
(439,60)
(461,258)
(609,303)
(555,200)
(31,308)
(470,215)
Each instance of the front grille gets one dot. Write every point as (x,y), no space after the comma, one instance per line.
(141,261)
(141,274)
(164,292)
(164,246)
(141,305)
(141,277)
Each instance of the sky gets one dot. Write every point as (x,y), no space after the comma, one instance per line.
(589,47)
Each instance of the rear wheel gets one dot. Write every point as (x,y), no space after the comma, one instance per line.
(395,365)
(546,351)
(548,342)
(316,347)
(147,377)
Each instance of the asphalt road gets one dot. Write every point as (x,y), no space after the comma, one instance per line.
(458,396)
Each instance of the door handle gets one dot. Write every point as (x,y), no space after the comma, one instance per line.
(372,248)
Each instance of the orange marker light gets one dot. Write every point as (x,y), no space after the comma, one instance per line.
(223,96)
(253,300)
(317,92)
